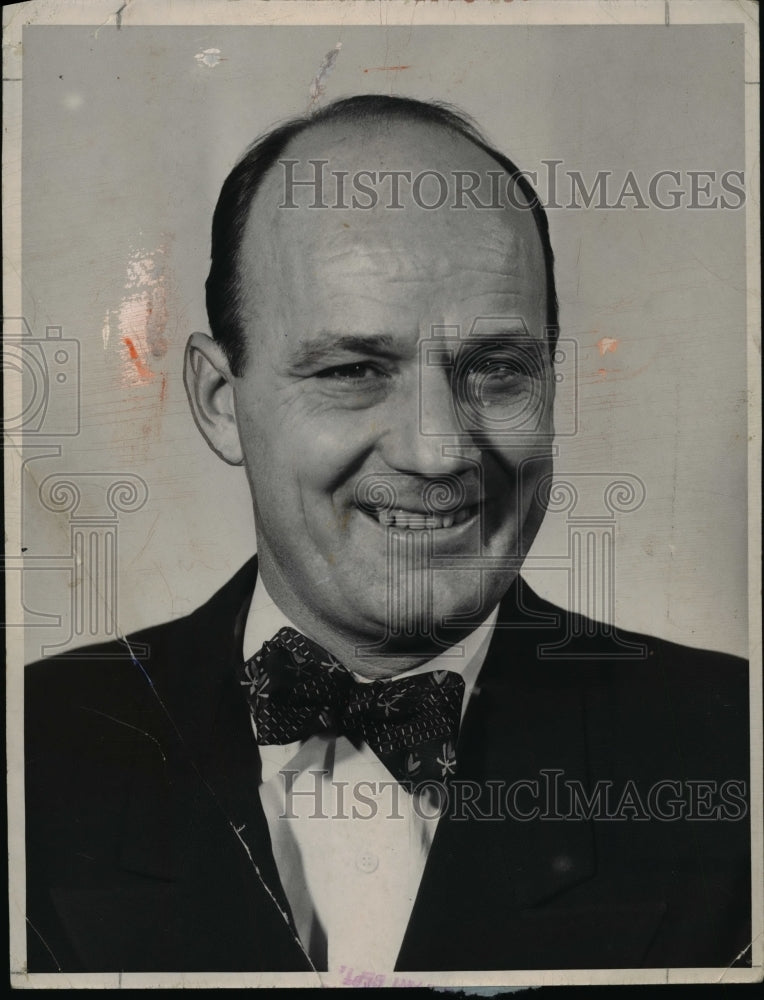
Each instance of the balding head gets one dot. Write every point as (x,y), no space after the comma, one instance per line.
(366,146)
(350,233)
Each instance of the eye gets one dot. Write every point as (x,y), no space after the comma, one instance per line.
(356,371)
(503,365)
(497,368)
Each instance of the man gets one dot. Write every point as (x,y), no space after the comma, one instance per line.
(363,753)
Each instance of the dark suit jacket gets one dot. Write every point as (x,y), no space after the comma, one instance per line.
(147,849)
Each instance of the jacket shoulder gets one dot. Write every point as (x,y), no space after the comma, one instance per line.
(107,668)
(149,655)
(635,685)
(564,634)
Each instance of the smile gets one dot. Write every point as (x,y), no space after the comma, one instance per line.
(400,518)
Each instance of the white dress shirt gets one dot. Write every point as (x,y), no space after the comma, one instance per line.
(350,843)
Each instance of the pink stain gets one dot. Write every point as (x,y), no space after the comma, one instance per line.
(607,345)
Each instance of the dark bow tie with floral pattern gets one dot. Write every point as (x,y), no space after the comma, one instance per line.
(296,690)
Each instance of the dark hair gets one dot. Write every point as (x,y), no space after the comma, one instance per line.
(224,289)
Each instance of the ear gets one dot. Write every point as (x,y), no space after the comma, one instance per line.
(209,385)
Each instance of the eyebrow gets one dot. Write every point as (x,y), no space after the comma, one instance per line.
(328,344)
(489,330)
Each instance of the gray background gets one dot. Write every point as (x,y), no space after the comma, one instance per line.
(127,137)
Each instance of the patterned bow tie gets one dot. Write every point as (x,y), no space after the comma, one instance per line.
(296,689)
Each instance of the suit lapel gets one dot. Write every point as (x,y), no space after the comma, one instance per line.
(481,871)
(198,801)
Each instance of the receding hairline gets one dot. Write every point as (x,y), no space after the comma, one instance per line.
(256,165)
(263,228)
(374,126)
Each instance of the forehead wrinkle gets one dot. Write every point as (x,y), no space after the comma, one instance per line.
(504,232)
(390,264)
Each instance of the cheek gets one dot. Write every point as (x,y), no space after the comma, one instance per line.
(330,446)
(306,457)
(523,472)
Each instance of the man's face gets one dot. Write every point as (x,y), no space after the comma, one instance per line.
(392,474)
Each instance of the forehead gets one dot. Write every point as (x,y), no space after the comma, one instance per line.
(382,264)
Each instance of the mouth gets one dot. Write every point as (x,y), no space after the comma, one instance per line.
(399,517)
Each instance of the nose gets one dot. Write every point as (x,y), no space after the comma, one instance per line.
(424,435)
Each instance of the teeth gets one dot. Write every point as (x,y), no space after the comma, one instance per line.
(414,520)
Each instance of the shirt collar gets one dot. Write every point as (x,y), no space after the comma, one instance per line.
(466,658)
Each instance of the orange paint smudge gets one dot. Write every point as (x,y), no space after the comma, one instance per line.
(610,373)
(143,371)
(382,69)
(607,344)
